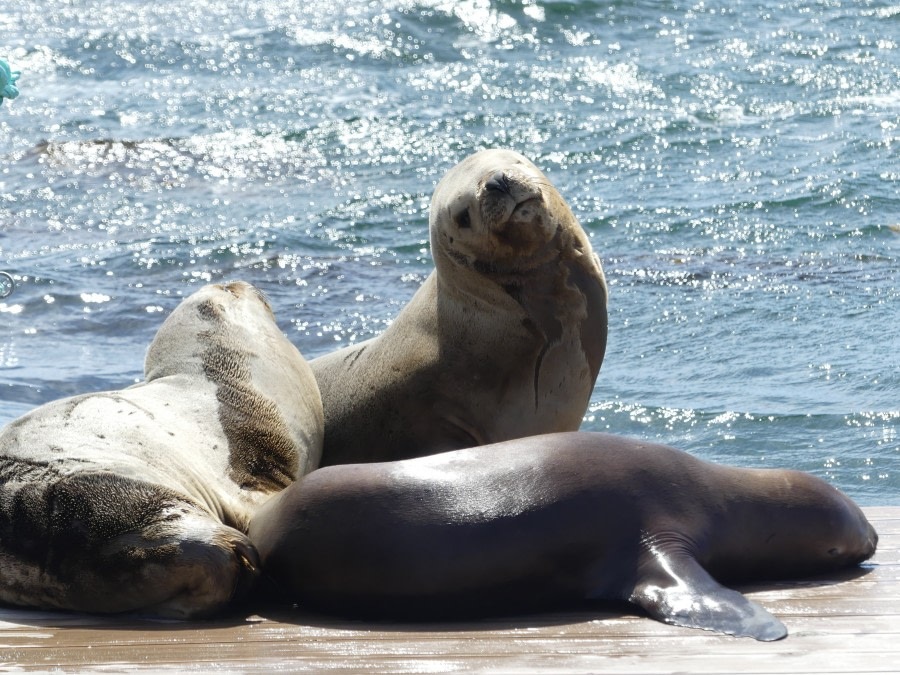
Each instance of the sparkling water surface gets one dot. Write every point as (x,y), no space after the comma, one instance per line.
(735,164)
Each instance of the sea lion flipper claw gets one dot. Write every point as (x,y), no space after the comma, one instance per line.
(677,590)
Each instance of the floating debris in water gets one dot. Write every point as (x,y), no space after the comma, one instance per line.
(8,79)
(7,285)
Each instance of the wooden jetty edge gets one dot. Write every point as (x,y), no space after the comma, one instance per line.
(838,624)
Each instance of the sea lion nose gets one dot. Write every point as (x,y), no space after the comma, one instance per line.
(873,541)
(868,545)
(248,569)
(498,183)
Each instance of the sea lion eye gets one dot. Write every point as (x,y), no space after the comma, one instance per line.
(462,220)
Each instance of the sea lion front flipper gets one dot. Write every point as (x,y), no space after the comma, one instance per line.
(675,589)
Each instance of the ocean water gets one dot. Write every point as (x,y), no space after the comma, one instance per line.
(735,164)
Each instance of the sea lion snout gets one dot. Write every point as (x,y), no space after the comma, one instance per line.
(870,543)
(513,210)
(249,566)
(840,533)
(858,539)
(873,541)
(862,551)
(500,192)
(498,183)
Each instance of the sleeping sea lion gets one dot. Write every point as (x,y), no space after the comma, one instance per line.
(138,499)
(553,520)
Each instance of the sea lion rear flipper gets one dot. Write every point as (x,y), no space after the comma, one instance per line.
(677,590)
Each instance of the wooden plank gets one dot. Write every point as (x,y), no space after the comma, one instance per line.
(428,653)
(845,623)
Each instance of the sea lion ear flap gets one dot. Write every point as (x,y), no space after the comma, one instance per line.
(677,590)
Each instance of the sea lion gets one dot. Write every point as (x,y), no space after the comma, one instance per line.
(504,339)
(138,499)
(550,520)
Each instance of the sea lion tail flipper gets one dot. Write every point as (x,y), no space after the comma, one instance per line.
(677,590)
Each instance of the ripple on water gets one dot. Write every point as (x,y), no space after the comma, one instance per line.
(867,441)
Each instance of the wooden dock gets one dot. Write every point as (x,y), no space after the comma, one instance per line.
(847,624)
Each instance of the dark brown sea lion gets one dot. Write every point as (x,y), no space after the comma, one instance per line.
(553,519)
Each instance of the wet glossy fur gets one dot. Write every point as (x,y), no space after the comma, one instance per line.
(551,520)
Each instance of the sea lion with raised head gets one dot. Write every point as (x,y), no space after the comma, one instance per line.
(550,520)
(138,499)
(504,339)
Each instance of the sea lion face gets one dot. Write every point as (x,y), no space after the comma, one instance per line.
(814,528)
(495,208)
(835,532)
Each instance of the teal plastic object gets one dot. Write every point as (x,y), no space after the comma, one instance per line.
(8,79)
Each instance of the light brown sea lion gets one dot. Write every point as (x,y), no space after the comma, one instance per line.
(550,520)
(504,339)
(138,499)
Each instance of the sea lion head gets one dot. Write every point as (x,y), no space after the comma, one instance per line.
(805,526)
(501,233)
(835,533)
(233,313)
(497,210)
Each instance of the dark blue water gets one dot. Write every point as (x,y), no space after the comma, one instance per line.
(735,164)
